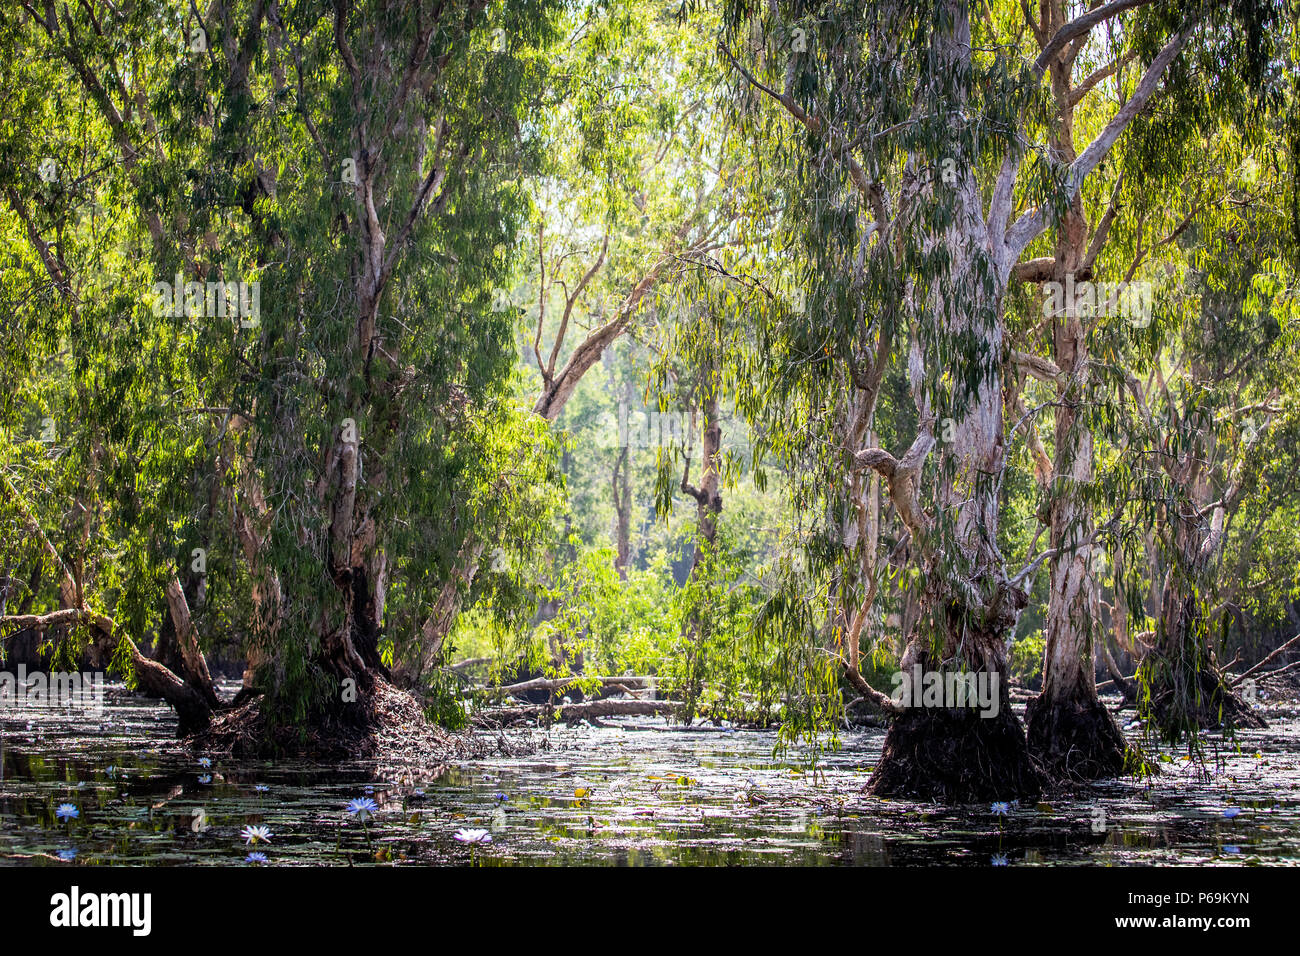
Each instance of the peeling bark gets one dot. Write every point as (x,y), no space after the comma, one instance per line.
(1069,731)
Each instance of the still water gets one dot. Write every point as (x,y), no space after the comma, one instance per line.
(116,789)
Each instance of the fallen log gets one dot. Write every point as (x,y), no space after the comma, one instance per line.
(560,683)
(192,709)
(570,713)
(1277,672)
(1108,684)
(1237,680)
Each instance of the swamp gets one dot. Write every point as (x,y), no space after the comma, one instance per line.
(513,433)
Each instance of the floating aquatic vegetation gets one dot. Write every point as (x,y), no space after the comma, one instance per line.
(740,807)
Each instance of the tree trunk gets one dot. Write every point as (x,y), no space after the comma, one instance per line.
(957,754)
(622,488)
(1187,691)
(1069,731)
(708,506)
(969,605)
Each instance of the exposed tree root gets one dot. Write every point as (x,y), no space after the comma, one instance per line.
(954,755)
(384,723)
(1074,739)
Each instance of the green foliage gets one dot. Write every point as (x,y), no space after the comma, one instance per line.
(1027,658)
(767,208)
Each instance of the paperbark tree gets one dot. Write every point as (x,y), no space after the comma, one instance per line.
(358,166)
(934,263)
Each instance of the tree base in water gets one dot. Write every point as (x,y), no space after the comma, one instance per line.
(383,722)
(1206,703)
(956,756)
(1075,740)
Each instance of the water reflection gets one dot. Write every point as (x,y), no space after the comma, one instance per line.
(632,793)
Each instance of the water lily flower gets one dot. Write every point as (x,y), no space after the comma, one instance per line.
(67,856)
(1230,812)
(256,834)
(206,778)
(1000,808)
(205,762)
(261,788)
(473,836)
(999,859)
(67,811)
(255,857)
(363,808)
(501,798)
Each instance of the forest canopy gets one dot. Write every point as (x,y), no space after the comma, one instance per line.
(787,359)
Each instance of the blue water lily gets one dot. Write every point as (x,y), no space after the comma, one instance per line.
(1001,808)
(363,809)
(67,811)
(999,859)
(1230,812)
(255,857)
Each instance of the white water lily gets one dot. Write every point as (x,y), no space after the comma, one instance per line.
(256,834)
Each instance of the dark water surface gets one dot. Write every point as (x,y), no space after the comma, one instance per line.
(638,792)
